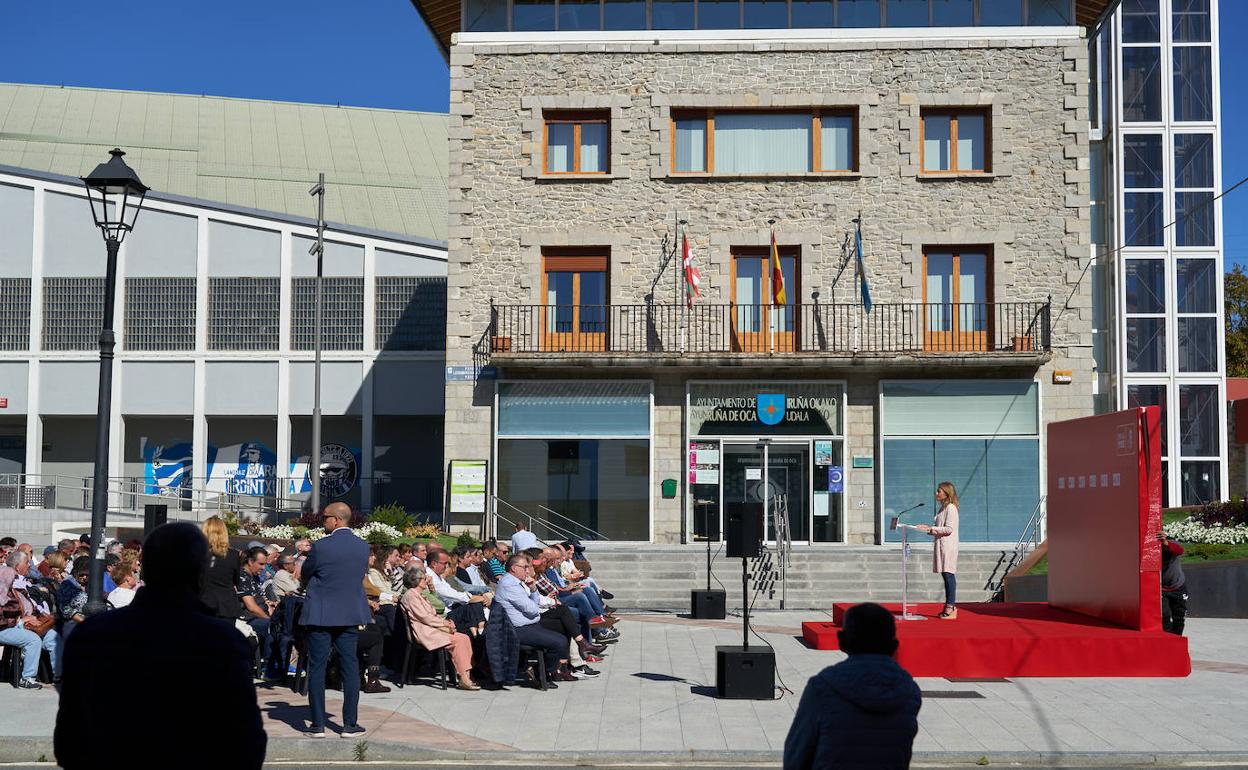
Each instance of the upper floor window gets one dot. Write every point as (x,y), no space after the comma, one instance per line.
(954,141)
(745,143)
(576,143)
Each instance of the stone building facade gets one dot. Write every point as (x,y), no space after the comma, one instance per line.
(1028,211)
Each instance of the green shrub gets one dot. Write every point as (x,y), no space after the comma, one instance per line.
(379,538)
(1207,551)
(466,540)
(393,514)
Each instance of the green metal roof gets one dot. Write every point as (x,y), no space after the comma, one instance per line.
(384,169)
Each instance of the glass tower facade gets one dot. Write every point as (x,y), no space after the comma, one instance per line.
(1155,162)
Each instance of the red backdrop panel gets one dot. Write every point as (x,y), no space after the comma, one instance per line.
(1104,511)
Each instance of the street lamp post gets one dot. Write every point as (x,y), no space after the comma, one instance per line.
(116,195)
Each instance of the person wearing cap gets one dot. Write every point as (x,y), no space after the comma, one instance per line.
(862,712)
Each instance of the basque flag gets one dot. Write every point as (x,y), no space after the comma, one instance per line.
(693,279)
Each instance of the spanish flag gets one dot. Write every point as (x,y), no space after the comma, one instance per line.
(777,275)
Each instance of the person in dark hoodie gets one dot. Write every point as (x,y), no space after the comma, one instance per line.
(1173,586)
(863,712)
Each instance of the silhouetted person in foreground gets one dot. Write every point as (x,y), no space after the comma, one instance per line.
(863,712)
(177,672)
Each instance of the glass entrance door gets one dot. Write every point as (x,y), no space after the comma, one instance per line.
(774,474)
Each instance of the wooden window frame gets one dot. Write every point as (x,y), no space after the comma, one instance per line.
(816,137)
(956,338)
(577,118)
(574,260)
(761,340)
(953,113)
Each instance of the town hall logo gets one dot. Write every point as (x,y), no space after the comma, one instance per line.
(340,470)
(770,408)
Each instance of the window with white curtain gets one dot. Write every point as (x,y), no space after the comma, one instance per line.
(954,141)
(735,143)
(576,143)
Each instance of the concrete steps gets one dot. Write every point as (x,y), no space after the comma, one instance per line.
(661,577)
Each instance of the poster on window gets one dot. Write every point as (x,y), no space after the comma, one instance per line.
(248,469)
(166,467)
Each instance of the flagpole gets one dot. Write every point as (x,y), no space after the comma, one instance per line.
(772,264)
(680,243)
(858,281)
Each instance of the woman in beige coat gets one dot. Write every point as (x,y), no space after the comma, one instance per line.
(945,551)
(432,630)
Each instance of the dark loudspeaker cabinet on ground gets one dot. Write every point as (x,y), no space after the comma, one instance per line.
(745,674)
(744,530)
(153,516)
(708,604)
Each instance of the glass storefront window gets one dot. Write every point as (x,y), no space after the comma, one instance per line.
(603,484)
(1198,343)
(1141,84)
(1150,395)
(959,407)
(1146,286)
(1193,83)
(1146,344)
(1197,285)
(544,408)
(1141,21)
(1198,420)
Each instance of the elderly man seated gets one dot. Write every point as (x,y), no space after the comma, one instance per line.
(284,580)
(516,596)
(465,609)
(20,616)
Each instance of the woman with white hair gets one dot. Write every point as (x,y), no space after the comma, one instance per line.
(24,624)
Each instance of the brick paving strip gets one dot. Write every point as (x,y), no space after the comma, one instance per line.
(1221,667)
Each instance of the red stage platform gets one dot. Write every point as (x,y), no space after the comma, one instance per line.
(1021,639)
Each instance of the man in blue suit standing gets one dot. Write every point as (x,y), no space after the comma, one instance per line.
(335,608)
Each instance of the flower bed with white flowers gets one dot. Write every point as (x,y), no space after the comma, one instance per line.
(1191,531)
(287,532)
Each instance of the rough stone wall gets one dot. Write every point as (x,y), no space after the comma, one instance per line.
(1031,208)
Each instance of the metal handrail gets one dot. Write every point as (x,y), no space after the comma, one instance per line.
(563,533)
(596,535)
(1028,540)
(815,328)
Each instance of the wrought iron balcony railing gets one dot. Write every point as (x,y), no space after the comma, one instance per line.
(992,327)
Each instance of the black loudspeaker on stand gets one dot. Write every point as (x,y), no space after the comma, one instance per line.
(742,672)
(154,515)
(708,604)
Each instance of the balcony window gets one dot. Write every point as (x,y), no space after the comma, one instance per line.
(671,14)
(763,14)
(954,141)
(576,143)
(719,14)
(906,13)
(857,13)
(579,14)
(761,318)
(486,15)
(624,14)
(1049,13)
(956,291)
(574,288)
(763,143)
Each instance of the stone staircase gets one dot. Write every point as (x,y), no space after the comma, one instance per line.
(661,576)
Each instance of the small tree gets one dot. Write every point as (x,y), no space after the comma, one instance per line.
(1237,322)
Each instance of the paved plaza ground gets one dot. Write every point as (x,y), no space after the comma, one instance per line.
(655,700)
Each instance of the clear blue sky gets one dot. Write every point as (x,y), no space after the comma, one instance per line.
(372,53)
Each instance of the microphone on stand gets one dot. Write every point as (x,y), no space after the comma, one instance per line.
(893,524)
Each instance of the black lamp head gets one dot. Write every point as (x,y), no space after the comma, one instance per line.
(116,194)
